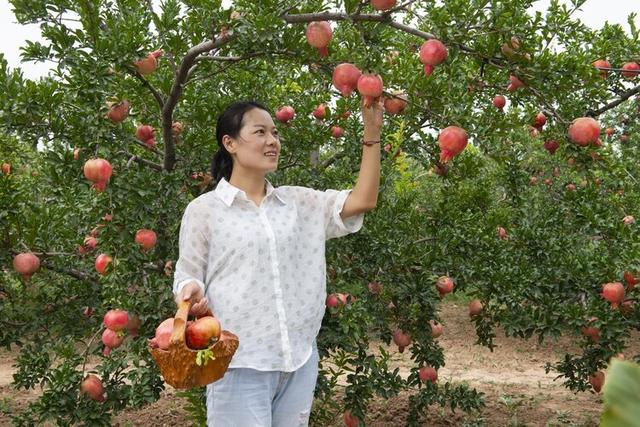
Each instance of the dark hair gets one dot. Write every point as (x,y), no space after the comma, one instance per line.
(229,123)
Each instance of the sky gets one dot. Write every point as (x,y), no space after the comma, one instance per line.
(12,36)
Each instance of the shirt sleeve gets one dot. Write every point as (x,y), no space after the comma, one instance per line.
(193,250)
(330,203)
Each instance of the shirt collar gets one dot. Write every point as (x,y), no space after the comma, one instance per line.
(227,192)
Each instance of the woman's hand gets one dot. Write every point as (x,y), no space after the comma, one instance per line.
(194,293)
(372,119)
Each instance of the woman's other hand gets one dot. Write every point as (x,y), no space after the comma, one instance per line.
(372,118)
(194,293)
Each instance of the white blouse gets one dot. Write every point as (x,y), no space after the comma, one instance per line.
(263,268)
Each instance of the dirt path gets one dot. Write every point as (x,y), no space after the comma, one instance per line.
(517,390)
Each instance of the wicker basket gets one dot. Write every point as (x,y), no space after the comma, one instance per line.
(178,363)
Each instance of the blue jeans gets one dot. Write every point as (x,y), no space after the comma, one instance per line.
(250,398)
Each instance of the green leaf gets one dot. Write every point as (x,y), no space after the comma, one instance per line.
(622,395)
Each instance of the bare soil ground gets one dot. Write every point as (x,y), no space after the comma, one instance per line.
(517,390)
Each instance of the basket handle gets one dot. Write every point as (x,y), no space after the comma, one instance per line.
(180,322)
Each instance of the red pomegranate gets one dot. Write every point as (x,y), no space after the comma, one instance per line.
(383,4)
(599,65)
(147,65)
(146,239)
(370,87)
(591,331)
(551,145)
(163,333)
(285,114)
(145,132)
(475,307)
(444,285)
(350,420)
(97,170)
(345,78)
(26,264)
(584,130)
(539,121)
(337,132)
(501,232)
(597,381)
(433,52)
(614,293)
(375,288)
(436,328)
(112,339)
(102,262)
(630,70)
(118,112)
(428,373)
(92,387)
(609,132)
(499,102)
(396,104)
(319,35)
(6,169)
(401,339)
(514,83)
(631,280)
(90,243)
(116,320)
(452,141)
(320,112)
(428,69)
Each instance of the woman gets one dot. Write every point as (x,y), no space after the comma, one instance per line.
(255,255)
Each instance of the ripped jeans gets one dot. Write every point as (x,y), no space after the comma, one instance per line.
(250,398)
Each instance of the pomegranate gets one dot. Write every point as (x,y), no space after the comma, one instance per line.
(444,285)
(628,220)
(370,87)
(147,65)
(630,279)
(375,288)
(401,339)
(102,262)
(428,373)
(163,333)
(630,70)
(97,170)
(383,4)
(428,69)
(332,301)
(87,312)
(571,187)
(285,114)
(551,145)
(200,333)
(584,130)
(146,239)
(90,243)
(320,112)
(452,141)
(345,78)
(436,328)
(118,112)
(350,420)
(112,339)
(597,381)
(499,102)
(397,104)
(501,232)
(337,132)
(433,52)
(601,65)
(609,132)
(116,320)
(514,83)
(475,307)
(6,169)
(26,264)
(533,180)
(319,35)
(613,292)
(92,387)
(145,132)
(539,121)
(176,128)
(591,332)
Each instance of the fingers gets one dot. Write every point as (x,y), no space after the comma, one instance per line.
(200,307)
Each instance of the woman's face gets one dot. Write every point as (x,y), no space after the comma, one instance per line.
(257,137)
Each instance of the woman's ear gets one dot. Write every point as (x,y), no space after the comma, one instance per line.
(228,143)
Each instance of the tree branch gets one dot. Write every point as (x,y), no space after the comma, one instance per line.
(145,83)
(625,95)
(176,91)
(140,160)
